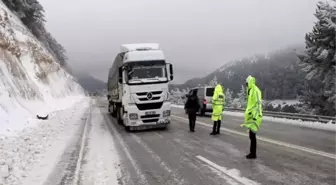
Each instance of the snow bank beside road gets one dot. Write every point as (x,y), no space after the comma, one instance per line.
(101,160)
(29,157)
(317,125)
(31,81)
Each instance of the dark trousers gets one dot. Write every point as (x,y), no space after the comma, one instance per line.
(192,120)
(216,127)
(253,145)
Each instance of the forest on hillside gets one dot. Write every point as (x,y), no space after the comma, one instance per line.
(31,13)
(277,75)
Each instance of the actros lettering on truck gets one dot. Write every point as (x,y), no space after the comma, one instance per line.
(137,86)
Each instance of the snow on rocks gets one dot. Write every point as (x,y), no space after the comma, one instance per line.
(31,81)
(23,153)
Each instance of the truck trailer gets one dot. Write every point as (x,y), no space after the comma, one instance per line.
(137,86)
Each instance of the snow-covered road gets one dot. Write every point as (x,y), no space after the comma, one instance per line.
(84,145)
(72,147)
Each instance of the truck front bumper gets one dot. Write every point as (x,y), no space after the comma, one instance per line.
(154,117)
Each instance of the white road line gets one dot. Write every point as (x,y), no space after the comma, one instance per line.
(157,158)
(304,149)
(127,152)
(130,158)
(81,151)
(232,173)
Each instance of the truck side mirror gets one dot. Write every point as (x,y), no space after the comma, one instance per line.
(171,72)
(120,75)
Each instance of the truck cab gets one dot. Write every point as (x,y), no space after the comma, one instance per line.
(138,87)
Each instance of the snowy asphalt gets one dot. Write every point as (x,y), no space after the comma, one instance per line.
(177,156)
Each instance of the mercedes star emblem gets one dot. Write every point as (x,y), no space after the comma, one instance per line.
(149,96)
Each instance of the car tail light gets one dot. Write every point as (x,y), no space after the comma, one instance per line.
(204,101)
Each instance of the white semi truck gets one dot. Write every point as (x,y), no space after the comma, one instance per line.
(137,86)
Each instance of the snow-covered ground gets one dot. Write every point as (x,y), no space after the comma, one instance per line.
(317,125)
(31,81)
(282,103)
(101,164)
(31,155)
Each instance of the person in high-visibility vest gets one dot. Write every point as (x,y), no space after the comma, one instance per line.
(218,100)
(253,114)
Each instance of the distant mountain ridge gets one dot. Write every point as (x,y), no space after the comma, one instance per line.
(89,83)
(277,74)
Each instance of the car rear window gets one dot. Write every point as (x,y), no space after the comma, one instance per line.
(209,91)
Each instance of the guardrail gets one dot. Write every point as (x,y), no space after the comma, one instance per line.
(303,117)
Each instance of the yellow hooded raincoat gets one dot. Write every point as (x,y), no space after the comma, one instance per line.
(253,112)
(218,100)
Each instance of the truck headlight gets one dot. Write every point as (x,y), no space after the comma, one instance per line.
(133,116)
(166,113)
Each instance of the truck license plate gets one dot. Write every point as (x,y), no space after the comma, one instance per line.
(150,113)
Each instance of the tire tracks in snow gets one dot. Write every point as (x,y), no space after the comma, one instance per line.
(125,148)
(67,169)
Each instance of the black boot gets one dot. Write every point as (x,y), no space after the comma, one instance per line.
(190,125)
(214,128)
(193,125)
(218,127)
(253,146)
(251,156)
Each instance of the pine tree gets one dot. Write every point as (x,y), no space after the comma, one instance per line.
(228,98)
(319,60)
(213,82)
(242,97)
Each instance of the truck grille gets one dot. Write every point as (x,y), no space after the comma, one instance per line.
(148,106)
(145,93)
(150,116)
(146,99)
(150,120)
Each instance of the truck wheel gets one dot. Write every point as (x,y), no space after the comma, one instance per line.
(128,128)
(109,109)
(114,111)
(201,112)
(120,114)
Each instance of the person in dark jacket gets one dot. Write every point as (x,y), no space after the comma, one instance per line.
(192,106)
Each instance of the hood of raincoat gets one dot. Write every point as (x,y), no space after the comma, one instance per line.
(250,80)
(218,89)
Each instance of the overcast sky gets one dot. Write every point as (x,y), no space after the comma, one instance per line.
(197,36)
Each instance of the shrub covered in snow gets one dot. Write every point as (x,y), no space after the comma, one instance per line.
(178,97)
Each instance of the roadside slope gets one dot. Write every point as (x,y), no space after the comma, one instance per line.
(31,81)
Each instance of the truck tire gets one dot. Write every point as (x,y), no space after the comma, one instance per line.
(201,112)
(128,128)
(119,115)
(110,109)
(114,111)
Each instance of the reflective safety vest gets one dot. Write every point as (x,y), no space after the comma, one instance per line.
(218,100)
(253,112)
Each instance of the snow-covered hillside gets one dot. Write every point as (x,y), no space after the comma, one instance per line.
(31,81)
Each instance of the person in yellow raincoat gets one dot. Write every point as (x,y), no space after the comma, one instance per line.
(253,114)
(218,100)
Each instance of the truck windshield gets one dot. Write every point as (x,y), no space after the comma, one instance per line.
(146,74)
